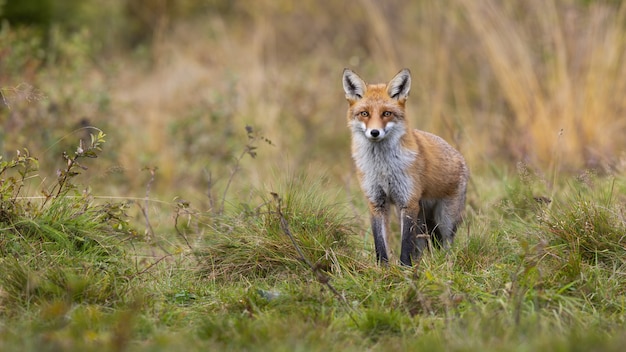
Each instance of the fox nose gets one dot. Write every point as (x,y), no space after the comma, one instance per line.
(374,133)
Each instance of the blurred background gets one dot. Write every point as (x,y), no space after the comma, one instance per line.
(174,83)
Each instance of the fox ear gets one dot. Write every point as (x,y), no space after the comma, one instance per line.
(353,85)
(399,86)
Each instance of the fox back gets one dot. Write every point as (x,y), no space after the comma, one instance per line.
(416,171)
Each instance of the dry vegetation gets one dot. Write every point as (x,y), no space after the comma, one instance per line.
(532,81)
(536,82)
(208,106)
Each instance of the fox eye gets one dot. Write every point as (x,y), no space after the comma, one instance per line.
(365,113)
(386,113)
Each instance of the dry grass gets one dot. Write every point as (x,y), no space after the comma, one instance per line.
(560,67)
(537,82)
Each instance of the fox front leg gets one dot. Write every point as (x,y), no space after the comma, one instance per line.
(380,226)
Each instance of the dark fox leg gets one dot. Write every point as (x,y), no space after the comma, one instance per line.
(414,237)
(408,239)
(379,221)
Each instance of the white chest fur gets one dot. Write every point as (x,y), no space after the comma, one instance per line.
(385,167)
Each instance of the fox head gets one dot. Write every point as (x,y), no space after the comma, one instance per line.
(377,110)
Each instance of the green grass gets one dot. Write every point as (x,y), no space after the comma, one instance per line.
(548,277)
(171,238)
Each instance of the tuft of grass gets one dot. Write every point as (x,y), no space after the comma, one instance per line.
(252,244)
(591,225)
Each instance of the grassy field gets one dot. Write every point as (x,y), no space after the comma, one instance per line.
(183,176)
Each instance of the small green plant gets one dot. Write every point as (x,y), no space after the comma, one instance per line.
(11,186)
(73,166)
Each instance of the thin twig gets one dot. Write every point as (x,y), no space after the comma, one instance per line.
(179,232)
(210,190)
(150,266)
(66,173)
(317,272)
(249,149)
(180,206)
(144,210)
(230,179)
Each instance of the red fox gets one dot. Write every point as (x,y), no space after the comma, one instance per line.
(418,172)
